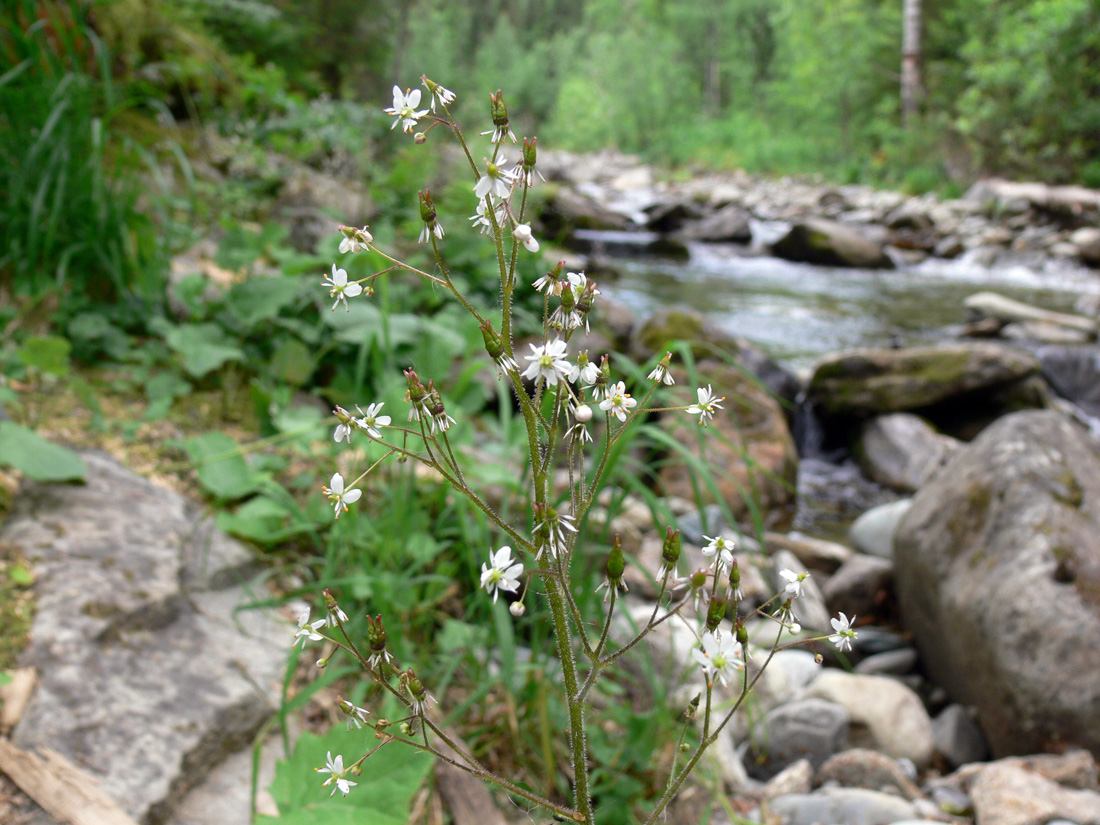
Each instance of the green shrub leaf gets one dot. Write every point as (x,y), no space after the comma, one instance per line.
(38,458)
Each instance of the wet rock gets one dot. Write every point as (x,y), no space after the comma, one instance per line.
(810,729)
(1010,795)
(959,740)
(891,663)
(997,572)
(876,530)
(1074,373)
(886,715)
(871,381)
(148,673)
(903,451)
(992,305)
(750,447)
(862,768)
(729,224)
(860,586)
(817,554)
(851,806)
(1086,240)
(828,243)
(670,215)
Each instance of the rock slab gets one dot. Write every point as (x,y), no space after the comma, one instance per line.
(149,671)
(997,572)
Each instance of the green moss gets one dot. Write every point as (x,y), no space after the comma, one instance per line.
(16,604)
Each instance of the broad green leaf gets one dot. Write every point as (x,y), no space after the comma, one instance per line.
(361,323)
(263,521)
(390,779)
(48,354)
(203,347)
(292,362)
(261,298)
(38,458)
(220,466)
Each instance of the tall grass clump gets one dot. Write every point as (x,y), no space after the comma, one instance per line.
(72,206)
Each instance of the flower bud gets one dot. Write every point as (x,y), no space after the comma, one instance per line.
(692,708)
(530,152)
(670,550)
(322,663)
(584,300)
(420,138)
(417,391)
(494,345)
(615,562)
(498,110)
(603,380)
(517,609)
(427,207)
(818,658)
(434,401)
(742,634)
(716,611)
(582,414)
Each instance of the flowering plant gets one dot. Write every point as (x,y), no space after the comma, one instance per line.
(562,398)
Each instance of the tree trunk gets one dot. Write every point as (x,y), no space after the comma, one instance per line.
(912,90)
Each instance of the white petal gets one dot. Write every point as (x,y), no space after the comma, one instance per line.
(352,496)
(336,483)
(412,99)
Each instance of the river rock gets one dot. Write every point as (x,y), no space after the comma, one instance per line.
(959,740)
(670,215)
(997,572)
(730,224)
(1005,794)
(875,531)
(811,729)
(566,210)
(903,451)
(817,554)
(850,806)
(829,243)
(749,449)
(860,586)
(149,675)
(900,662)
(866,382)
(1087,241)
(863,768)
(795,778)
(993,305)
(1044,332)
(1074,373)
(886,715)
(653,338)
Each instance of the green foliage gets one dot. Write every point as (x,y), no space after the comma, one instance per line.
(70,219)
(36,457)
(384,792)
(221,467)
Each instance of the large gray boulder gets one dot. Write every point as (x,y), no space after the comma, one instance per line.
(864,382)
(149,671)
(997,571)
(903,451)
(828,243)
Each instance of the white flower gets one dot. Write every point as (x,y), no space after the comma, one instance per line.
(404,108)
(433,228)
(481,218)
(496,181)
(720,656)
(721,549)
(339,288)
(344,428)
(843,633)
(356,716)
(335,767)
(355,240)
(522,234)
(551,279)
(444,96)
(661,371)
(561,318)
(586,373)
(307,632)
(708,403)
(335,492)
(499,133)
(550,532)
(548,362)
(794,581)
(371,420)
(618,401)
(334,615)
(502,573)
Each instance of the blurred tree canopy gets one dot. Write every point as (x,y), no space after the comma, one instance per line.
(1011,86)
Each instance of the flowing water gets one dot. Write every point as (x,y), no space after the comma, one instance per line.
(798,312)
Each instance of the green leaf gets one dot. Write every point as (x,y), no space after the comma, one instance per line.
(38,458)
(220,466)
(390,779)
(360,324)
(263,521)
(21,575)
(48,354)
(203,347)
(261,299)
(292,362)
